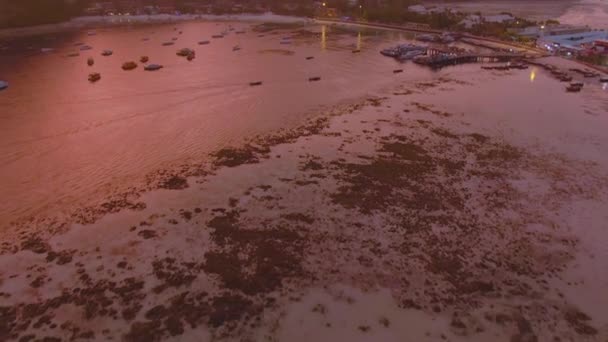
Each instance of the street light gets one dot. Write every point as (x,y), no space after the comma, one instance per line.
(324,4)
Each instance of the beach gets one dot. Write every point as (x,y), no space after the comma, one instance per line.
(458,204)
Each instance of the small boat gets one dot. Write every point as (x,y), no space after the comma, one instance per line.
(217,36)
(73,54)
(565,78)
(240,32)
(174,38)
(168,43)
(94,77)
(185,52)
(144,59)
(203,42)
(356,51)
(313,79)
(3,85)
(604,79)
(85,48)
(90,61)
(129,65)
(519,66)
(180,32)
(190,57)
(573,89)
(107,53)
(236,48)
(309,57)
(78,44)
(153,67)
(255,83)
(91,33)
(145,39)
(396,71)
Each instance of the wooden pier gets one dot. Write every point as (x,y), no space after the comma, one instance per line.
(438,58)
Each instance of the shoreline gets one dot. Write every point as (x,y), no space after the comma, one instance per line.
(98,22)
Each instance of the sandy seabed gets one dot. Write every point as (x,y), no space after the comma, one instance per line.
(394,218)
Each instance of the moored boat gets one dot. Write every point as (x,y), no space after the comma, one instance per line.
(312,79)
(185,52)
(203,42)
(90,61)
(94,77)
(3,85)
(144,59)
(168,43)
(107,53)
(129,65)
(574,87)
(257,83)
(153,67)
(604,79)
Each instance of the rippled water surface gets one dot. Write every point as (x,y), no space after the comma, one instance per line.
(63,138)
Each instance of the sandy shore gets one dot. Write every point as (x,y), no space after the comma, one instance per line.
(95,22)
(399,217)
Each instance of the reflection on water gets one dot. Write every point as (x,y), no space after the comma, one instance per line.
(323,37)
(359,41)
(532,74)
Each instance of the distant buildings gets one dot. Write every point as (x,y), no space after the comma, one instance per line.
(476,19)
(572,39)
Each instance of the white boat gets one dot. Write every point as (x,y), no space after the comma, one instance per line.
(153,67)
(3,85)
(107,53)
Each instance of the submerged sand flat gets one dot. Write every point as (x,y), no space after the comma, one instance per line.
(413,214)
